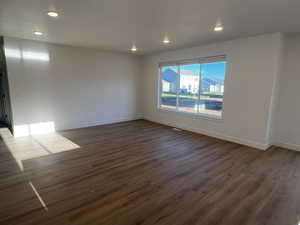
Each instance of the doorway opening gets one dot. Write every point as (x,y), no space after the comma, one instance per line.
(5,104)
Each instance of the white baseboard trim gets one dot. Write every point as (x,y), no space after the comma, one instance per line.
(24,130)
(257,145)
(289,146)
(98,123)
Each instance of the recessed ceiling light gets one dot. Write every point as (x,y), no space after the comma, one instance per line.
(218,27)
(166,40)
(52,14)
(38,33)
(133,49)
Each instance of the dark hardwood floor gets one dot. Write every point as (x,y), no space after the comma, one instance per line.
(143,173)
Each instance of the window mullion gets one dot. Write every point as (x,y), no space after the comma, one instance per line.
(199,89)
(160,88)
(177,86)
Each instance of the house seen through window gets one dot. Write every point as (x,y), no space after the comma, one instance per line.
(195,87)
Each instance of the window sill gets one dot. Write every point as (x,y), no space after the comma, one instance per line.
(194,115)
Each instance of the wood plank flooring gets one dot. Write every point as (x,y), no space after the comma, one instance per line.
(143,173)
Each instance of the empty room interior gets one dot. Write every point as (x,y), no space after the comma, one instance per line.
(150,112)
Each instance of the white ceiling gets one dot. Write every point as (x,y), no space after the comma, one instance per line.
(117,24)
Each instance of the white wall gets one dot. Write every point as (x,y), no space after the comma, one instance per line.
(72,87)
(249,85)
(287,114)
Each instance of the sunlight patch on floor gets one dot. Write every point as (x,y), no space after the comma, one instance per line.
(38,196)
(33,141)
(55,143)
(35,145)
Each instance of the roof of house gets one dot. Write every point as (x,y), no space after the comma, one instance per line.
(169,75)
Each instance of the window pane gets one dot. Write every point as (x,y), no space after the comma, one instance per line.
(189,87)
(168,86)
(212,88)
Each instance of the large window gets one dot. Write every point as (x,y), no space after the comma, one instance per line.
(195,86)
